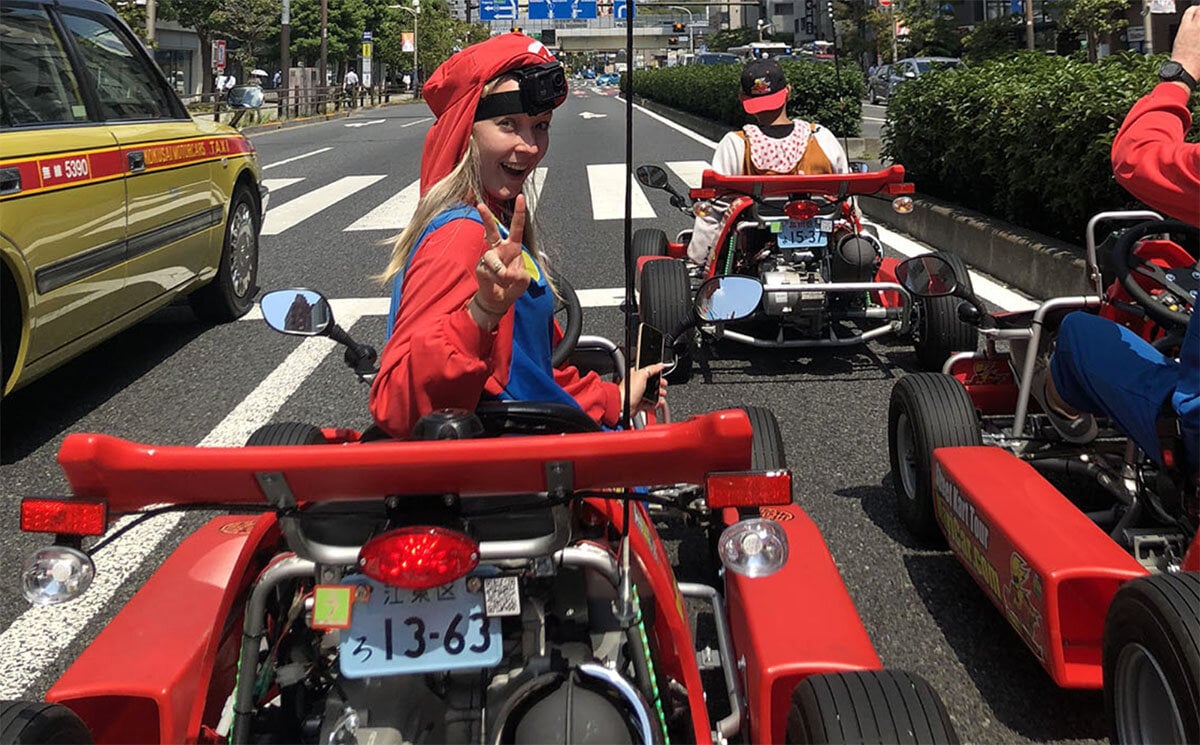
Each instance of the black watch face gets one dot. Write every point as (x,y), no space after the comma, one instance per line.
(1170,70)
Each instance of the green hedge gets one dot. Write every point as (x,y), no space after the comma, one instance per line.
(1026,139)
(711,91)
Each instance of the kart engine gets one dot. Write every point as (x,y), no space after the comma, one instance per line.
(846,258)
(555,683)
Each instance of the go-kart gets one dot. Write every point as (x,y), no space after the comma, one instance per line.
(498,578)
(1090,551)
(826,281)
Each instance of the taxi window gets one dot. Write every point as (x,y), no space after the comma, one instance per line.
(126,85)
(37,85)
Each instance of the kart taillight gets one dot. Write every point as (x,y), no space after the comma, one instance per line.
(418,557)
(904,187)
(801,209)
(67,516)
(703,193)
(748,488)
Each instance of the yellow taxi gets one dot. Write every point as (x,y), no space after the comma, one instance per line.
(113,200)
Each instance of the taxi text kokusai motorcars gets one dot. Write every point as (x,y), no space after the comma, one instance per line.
(113,200)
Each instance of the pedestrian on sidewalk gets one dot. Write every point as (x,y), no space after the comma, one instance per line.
(350,87)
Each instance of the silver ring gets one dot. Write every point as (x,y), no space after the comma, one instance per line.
(496,243)
(497,267)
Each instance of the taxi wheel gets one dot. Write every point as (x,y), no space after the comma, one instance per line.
(231,294)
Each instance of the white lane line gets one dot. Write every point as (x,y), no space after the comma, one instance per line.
(533,187)
(276,184)
(607,184)
(677,127)
(296,158)
(873,119)
(689,171)
(604,297)
(394,214)
(361,307)
(984,286)
(37,637)
(428,118)
(303,207)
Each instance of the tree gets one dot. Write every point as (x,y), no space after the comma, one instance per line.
(931,28)
(255,23)
(345,22)
(1094,19)
(995,37)
(721,41)
(880,23)
(198,16)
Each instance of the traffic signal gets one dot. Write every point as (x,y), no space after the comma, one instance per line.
(515,29)
(679,28)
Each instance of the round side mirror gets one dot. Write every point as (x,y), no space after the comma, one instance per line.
(652,176)
(927,276)
(297,312)
(730,298)
(245,97)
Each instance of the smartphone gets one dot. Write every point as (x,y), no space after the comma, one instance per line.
(649,352)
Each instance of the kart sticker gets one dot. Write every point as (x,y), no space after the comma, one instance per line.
(966,531)
(989,372)
(241,527)
(331,606)
(1023,601)
(775,513)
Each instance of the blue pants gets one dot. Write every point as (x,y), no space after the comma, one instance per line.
(1104,368)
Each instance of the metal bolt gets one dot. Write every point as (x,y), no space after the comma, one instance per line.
(474,584)
(1170,277)
(1195,274)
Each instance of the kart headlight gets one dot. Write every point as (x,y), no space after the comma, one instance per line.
(56,574)
(703,208)
(753,548)
(902,205)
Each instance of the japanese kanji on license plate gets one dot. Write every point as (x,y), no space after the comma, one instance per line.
(803,233)
(400,632)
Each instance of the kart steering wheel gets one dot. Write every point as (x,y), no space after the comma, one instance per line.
(569,314)
(533,418)
(1180,282)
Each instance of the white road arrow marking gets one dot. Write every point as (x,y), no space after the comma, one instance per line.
(365,124)
(590,115)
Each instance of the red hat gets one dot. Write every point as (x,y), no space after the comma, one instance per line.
(454,89)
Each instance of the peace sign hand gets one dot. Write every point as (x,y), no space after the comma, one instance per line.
(501,271)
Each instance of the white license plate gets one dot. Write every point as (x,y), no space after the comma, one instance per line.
(401,632)
(803,233)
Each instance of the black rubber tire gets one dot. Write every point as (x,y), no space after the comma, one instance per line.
(935,411)
(286,433)
(868,706)
(766,449)
(27,723)
(939,332)
(231,293)
(566,302)
(666,304)
(1153,621)
(649,242)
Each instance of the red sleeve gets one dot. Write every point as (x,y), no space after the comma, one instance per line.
(1150,158)
(437,355)
(599,398)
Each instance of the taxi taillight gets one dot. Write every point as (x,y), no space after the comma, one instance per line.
(67,516)
(418,557)
(748,488)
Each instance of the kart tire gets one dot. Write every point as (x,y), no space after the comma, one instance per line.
(666,304)
(286,433)
(927,411)
(938,331)
(867,706)
(649,242)
(230,295)
(27,723)
(1151,660)
(766,448)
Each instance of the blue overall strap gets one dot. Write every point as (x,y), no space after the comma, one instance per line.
(459,212)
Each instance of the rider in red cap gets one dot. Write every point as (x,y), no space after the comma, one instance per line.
(472,314)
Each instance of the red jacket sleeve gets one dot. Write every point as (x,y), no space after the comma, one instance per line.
(1150,158)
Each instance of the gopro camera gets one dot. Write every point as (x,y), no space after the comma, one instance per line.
(541,88)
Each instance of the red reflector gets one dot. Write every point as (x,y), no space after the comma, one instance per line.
(418,557)
(70,516)
(703,193)
(748,488)
(801,209)
(903,187)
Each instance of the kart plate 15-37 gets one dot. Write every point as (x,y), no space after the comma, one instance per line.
(802,233)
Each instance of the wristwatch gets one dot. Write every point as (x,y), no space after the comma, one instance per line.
(1172,71)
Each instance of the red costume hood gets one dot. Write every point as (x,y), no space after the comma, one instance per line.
(453,92)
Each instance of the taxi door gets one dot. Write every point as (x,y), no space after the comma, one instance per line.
(174,214)
(62,195)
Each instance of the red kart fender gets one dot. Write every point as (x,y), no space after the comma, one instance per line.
(792,624)
(675,652)
(887,273)
(1048,568)
(167,662)
(989,382)
(1191,559)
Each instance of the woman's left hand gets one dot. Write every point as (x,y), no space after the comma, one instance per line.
(638,379)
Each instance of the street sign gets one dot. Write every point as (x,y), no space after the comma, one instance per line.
(218,54)
(366,36)
(620,9)
(551,10)
(366,50)
(497,10)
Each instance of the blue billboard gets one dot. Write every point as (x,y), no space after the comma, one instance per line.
(561,9)
(620,8)
(498,10)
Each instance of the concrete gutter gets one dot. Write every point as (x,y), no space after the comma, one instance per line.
(1038,265)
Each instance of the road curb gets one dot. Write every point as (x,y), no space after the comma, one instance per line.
(318,118)
(1034,263)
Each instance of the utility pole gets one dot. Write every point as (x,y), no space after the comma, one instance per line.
(150,22)
(1029,24)
(324,81)
(285,54)
(1148,25)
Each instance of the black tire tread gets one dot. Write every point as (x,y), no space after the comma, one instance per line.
(666,303)
(27,722)
(286,433)
(942,415)
(649,242)
(941,332)
(766,451)
(868,706)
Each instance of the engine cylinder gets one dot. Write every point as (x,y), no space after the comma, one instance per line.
(856,259)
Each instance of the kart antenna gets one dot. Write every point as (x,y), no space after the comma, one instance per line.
(625,611)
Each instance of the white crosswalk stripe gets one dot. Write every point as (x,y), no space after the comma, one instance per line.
(278,184)
(394,214)
(689,171)
(607,184)
(290,214)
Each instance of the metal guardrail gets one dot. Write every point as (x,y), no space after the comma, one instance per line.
(298,103)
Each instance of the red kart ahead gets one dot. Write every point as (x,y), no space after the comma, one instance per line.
(476,589)
(1105,591)
(826,281)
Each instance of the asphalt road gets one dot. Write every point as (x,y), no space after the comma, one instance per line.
(173,380)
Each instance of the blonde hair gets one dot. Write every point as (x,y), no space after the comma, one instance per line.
(463,185)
